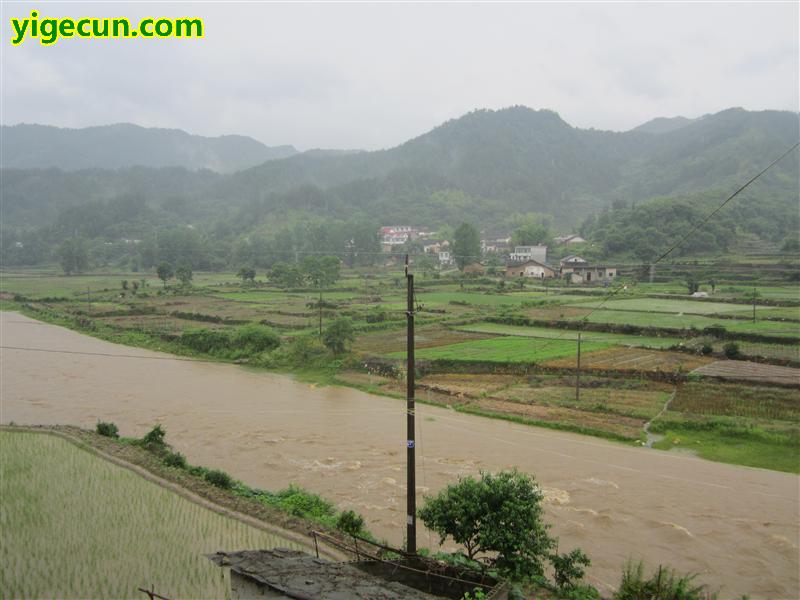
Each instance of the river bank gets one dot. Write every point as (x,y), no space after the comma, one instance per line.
(735,526)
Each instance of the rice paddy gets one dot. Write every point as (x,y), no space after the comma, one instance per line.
(76,526)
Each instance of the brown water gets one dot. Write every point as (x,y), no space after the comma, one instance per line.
(738,527)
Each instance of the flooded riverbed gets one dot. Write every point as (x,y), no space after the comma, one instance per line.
(735,526)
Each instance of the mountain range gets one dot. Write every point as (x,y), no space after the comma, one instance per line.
(487,166)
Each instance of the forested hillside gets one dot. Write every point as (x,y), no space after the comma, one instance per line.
(492,168)
(126,145)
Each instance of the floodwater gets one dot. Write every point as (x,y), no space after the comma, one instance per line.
(735,526)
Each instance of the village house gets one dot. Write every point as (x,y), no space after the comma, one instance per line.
(579,270)
(523,253)
(397,235)
(445,258)
(474,268)
(572,238)
(434,246)
(529,268)
(501,245)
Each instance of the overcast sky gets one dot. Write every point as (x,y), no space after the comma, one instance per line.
(374,75)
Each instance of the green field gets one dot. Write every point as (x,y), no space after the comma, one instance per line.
(692,307)
(76,526)
(567,334)
(674,321)
(505,350)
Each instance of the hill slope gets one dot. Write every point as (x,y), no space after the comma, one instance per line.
(126,145)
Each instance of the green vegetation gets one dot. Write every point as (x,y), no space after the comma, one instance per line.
(506,350)
(546,333)
(467,325)
(663,584)
(110,513)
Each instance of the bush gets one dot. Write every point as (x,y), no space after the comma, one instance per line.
(154,438)
(301,503)
(568,568)
(338,335)
(706,349)
(219,478)
(205,340)
(253,339)
(107,429)
(175,459)
(350,522)
(731,350)
(663,584)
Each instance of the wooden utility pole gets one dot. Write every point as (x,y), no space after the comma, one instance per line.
(578,372)
(411,483)
(88,294)
(754,305)
(320,310)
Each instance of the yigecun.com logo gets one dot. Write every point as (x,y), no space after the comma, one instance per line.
(49,30)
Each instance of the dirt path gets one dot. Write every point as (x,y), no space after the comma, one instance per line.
(735,526)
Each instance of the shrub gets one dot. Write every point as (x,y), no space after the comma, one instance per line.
(568,568)
(107,429)
(205,340)
(350,522)
(301,503)
(706,349)
(219,478)
(175,459)
(663,584)
(731,350)
(154,439)
(338,335)
(376,315)
(255,338)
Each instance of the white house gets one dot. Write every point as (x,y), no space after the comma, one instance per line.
(537,253)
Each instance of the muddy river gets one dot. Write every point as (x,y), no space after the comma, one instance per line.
(735,526)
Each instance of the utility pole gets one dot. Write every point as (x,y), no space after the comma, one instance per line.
(320,310)
(754,305)
(578,372)
(411,484)
(89,297)
(652,272)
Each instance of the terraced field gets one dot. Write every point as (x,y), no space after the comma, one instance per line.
(567,334)
(76,526)
(504,350)
(633,359)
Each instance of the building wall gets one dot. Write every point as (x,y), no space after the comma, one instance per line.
(244,588)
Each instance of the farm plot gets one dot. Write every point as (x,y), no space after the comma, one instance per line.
(675,321)
(633,359)
(76,526)
(731,400)
(752,371)
(476,298)
(640,404)
(772,312)
(467,384)
(157,324)
(561,417)
(566,334)
(691,307)
(504,350)
(427,336)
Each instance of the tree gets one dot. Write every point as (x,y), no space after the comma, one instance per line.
(466,245)
(692,284)
(497,518)
(184,274)
(531,234)
(74,255)
(247,274)
(286,275)
(338,335)
(164,271)
(321,271)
